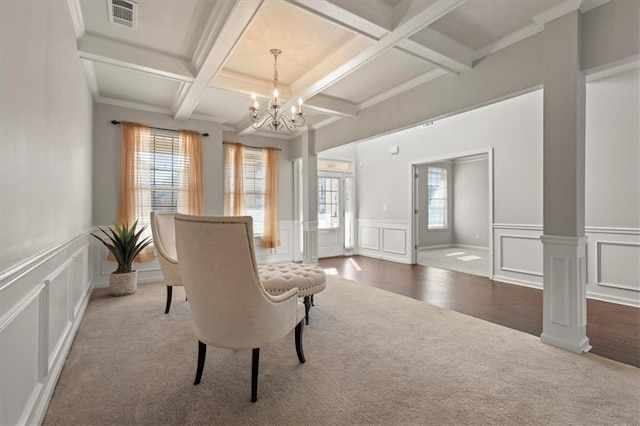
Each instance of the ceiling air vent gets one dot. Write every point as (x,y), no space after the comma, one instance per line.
(123,12)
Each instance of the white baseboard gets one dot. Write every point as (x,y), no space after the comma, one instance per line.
(439,246)
(516,281)
(387,258)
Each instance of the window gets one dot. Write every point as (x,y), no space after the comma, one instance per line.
(328,203)
(437,198)
(160,178)
(254,187)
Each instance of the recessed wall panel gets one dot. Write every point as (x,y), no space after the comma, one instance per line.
(394,240)
(521,253)
(59,300)
(370,237)
(19,364)
(619,265)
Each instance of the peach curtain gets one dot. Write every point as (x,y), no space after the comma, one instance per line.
(270,228)
(233,179)
(132,138)
(191,151)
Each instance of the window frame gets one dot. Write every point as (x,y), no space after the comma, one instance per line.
(444,178)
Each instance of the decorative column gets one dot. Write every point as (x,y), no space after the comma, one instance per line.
(564,241)
(309,198)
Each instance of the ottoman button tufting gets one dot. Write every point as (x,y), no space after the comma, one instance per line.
(309,279)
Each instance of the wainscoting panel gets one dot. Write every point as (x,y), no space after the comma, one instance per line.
(43,300)
(613,256)
(384,239)
(59,309)
(20,363)
(369,238)
(521,254)
(394,240)
(282,253)
(613,259)
(517,254)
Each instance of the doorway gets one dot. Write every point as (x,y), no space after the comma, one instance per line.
(452,205)
(336,208)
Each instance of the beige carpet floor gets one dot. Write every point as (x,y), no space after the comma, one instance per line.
(373,357)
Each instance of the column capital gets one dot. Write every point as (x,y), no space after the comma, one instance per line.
(560,240)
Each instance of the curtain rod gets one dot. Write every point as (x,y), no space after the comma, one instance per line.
(249,146)
(114,122)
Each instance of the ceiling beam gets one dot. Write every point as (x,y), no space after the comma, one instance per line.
(328,73)
(98,49)
(375,18)
(231,20)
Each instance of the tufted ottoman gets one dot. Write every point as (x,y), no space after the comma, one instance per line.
(279,278)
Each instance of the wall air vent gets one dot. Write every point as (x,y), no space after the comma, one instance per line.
(123,12)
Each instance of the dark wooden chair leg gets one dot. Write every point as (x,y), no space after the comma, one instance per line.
(255,359)
(299,350)
(169,293)
(307,306)
(312,304)
(202,354)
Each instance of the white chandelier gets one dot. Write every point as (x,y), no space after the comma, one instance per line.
(275,119)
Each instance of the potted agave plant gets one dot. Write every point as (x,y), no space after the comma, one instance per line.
(125,244)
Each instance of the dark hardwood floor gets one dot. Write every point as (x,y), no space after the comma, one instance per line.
(613,330)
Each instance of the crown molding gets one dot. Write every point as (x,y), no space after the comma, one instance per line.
(91,77)
(76,17)
(132,105)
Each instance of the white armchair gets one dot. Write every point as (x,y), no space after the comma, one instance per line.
(230,307)
(164,238)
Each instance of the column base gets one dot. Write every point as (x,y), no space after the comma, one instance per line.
(575,347)
(564,293)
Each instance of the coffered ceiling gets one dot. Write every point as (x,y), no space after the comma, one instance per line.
(203,58)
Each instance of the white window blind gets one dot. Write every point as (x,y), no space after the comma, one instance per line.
(437,198)
(253,171)
(254,165)
(328,203)
(160,175)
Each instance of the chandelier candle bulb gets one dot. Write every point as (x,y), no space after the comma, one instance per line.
(293,113)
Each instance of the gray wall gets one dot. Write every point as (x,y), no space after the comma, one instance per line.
(434,237)
(46,108)
(513,129)
(613,151)
(471,202)
(107,160)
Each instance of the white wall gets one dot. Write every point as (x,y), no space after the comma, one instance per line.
(106,159)
(471,202)
(45,192)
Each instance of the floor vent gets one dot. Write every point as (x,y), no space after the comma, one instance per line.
(123,12)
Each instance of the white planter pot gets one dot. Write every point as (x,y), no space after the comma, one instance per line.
(123,284)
